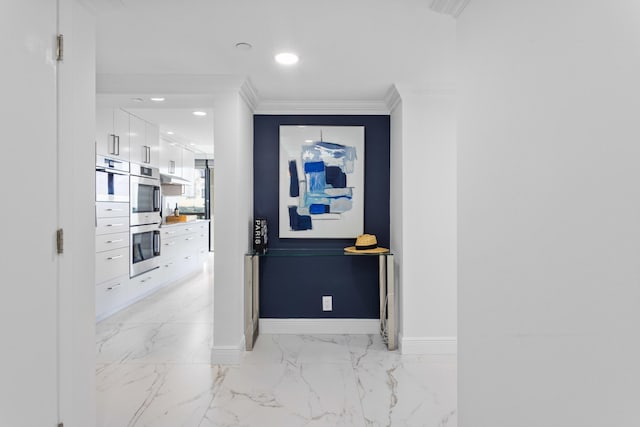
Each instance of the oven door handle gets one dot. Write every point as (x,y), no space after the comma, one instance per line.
(156,243)
(156,199)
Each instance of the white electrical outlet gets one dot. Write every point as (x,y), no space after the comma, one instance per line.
(327,303)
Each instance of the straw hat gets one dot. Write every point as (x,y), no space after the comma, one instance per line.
(366,244)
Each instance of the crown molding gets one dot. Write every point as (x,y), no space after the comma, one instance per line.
(449,7)
(322,107)
(249,93)
(405,91)
(392,98)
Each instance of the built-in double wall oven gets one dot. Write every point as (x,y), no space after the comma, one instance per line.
(112,180)
(145,219)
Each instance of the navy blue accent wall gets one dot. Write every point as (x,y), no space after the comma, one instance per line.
(287,290)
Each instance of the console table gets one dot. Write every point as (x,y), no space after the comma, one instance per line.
(386,285)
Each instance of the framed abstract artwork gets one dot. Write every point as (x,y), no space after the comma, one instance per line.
(321,182)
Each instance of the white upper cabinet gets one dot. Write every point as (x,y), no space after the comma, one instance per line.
(152,138)
(112,133)
(176,160)
(139,150)
(170,158)
(144,141)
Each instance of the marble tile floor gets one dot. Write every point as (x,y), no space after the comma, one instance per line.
(153,370)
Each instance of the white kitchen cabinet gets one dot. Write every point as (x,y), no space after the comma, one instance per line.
(112,240)
(184,247)
(112,133)
(144,142)
(112,209)
(112,225)
(111,296)
(177,161)
(139,151)
(107,242)
(169,269)
(144,284)
(170,158)
(112,263)
(152,138)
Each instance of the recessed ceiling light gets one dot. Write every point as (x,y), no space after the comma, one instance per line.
(157,99)
(243,46)
(286,58)
(308,140)
(169,132)
(192,143)
(137,99)
(199,113)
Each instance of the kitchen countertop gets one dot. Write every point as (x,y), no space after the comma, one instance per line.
(173,224)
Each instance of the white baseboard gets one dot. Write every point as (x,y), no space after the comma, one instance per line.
(319,326)
(428,345)
(227,355)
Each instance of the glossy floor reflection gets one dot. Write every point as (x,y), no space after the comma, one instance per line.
(153,370)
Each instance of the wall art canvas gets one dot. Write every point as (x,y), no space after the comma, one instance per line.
(321,181)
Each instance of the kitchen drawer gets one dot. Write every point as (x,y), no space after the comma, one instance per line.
(111,295)
(105,242)
(188,262)
(171,232)
(190,228)
(203,245)
(190,240)
(203,239)
(172,247)
(111,209)
(112,225)
(144,283)
(113,263)
(182,229)
(168,269)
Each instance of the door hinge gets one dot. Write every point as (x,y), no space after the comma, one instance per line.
(59,47)
(60,240)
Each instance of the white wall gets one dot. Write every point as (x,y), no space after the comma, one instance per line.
(76,109)
(549,214)
(428,255)
(233,201)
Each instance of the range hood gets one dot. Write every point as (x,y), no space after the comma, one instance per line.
(171,179)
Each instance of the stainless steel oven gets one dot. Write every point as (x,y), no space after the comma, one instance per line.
(112,180)
(145,195)
(144,249)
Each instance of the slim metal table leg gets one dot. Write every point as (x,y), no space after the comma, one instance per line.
(255,314)
(248,302)
(392,342)
(383,293)
(251,299)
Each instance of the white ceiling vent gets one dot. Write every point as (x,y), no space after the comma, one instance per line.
(449,7)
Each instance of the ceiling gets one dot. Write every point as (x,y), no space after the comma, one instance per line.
(350,50)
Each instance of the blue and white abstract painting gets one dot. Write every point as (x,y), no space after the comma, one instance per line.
(321,181)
